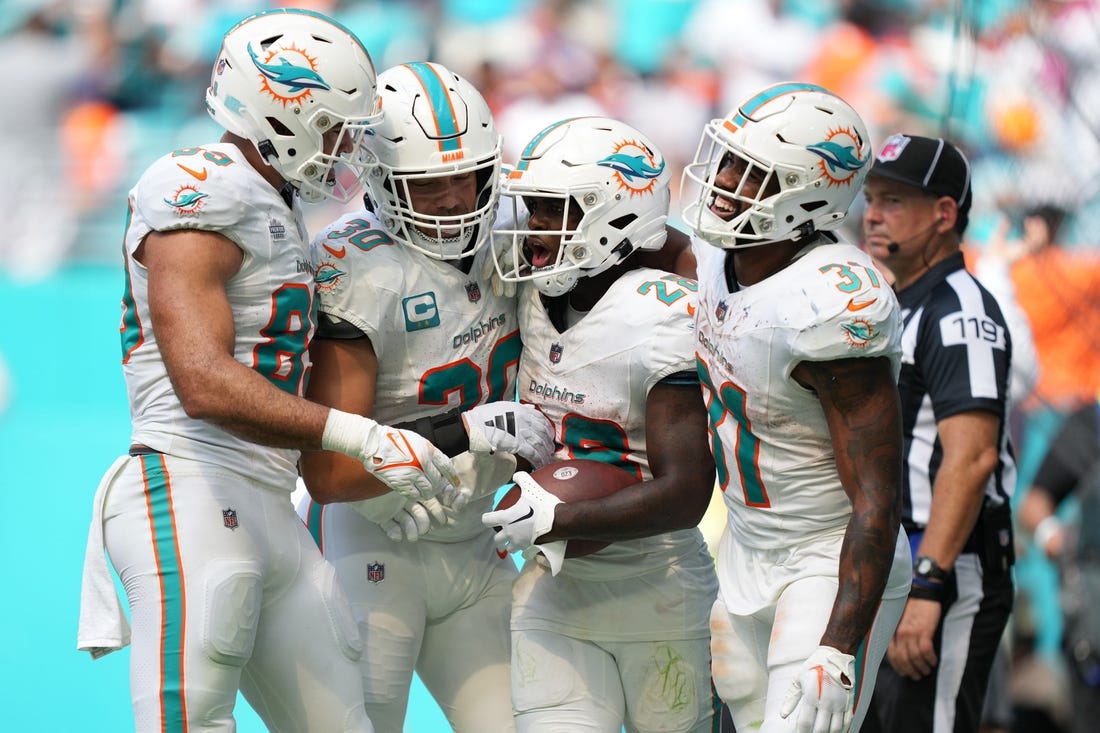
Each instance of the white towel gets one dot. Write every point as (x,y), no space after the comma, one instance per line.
(103,626)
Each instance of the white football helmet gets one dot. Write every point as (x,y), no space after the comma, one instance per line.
(612,172)
(286,77)
(436,124)
(813,151)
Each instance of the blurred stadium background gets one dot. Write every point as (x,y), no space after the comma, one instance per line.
(99,88)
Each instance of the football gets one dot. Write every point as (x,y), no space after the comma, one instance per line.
(577,480)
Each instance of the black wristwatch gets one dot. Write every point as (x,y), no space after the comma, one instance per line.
(927,569)
(928,580)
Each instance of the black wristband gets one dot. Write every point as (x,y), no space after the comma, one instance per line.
(446,432)
(927,591)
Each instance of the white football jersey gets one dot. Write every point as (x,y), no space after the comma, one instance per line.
(214,189)
(442,340)
(593,380)
(776,465)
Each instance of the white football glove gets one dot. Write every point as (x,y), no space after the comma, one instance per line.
(416,518)
(529,518)
(404,519)
(822,693)
(401,459)
(510,427)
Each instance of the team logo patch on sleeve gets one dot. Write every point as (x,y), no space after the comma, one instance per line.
(327,277)
(376,572)
(859,333)
(187,200)
(229,518)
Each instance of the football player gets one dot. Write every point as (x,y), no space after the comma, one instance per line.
(226,588)
(798,343)
(618,637)
(411,332)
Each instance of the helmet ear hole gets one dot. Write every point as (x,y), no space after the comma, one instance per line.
(278,127)
(623,221)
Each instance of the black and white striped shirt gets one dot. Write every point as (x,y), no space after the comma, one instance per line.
(956,352)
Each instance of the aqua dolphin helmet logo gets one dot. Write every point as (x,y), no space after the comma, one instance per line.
(291,79)
(840,160)
(636,168)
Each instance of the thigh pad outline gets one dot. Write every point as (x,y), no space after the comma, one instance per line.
(233,593)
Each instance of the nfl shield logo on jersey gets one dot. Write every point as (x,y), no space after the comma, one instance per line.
(473,292)
(555,353)
(376,572)
(229,518)
(721,310)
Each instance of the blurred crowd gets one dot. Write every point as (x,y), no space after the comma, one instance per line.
(103,87)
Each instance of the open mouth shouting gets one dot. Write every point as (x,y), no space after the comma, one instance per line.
(538,253)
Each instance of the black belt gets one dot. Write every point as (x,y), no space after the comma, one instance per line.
(139,449)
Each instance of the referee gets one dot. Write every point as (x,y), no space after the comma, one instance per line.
(959,471)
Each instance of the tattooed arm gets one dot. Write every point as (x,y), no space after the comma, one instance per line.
(860,400)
